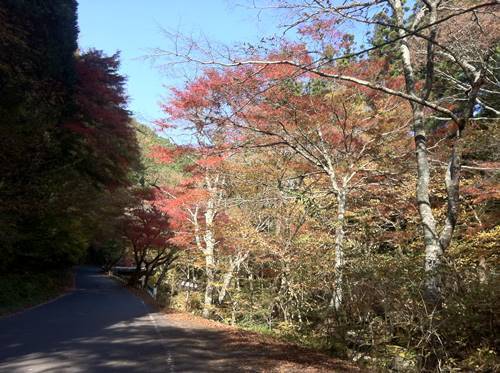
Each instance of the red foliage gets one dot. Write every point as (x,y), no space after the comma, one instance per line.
(146,226)
(101,122)
(168,154)
(187,200)
(483,191)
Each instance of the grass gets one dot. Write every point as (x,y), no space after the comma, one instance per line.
(285,334)
(22,290)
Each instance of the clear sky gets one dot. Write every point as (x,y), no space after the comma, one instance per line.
(134,26)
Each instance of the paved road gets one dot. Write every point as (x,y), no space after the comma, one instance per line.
(102,327)
(98,327)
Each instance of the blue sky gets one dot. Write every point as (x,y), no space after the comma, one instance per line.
(134,27)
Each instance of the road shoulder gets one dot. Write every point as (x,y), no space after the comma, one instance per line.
(250,351)
(228,347)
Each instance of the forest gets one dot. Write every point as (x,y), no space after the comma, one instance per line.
(338,195)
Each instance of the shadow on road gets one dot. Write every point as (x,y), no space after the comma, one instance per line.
(102,327)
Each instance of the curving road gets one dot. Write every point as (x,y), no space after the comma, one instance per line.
(98,327)
(102,327)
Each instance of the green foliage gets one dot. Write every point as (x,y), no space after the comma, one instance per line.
(152,171)
(20,290)
(382,35)
(38,40)
(67,146)
(106,254)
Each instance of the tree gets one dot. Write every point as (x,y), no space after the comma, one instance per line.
(66,139)
(105,147)
(147,229)
(195,204)
(36,80)
(337,130)
(421,27)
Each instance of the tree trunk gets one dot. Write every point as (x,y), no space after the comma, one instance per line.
(433,249)
(482,270)
(136,275)
(209,289)
(432,245)
(163,273)
(339,250)
(226,281)
(228,276)
(209,256)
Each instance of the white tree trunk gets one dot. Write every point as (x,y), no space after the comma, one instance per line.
(433,249)
(339,250)
(209,288)
(228,276)
(209,239)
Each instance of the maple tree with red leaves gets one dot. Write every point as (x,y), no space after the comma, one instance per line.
(195,206)
(336,130)
(149,232)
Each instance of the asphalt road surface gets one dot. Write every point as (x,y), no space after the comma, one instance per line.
(100,327)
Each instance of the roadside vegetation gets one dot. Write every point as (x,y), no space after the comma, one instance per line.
(22,290)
